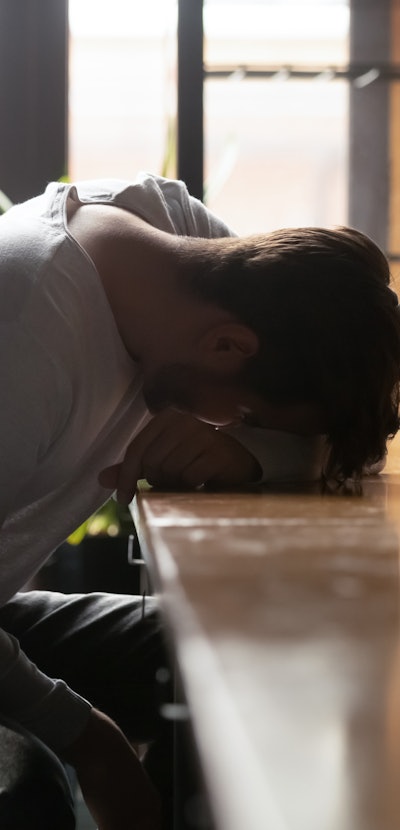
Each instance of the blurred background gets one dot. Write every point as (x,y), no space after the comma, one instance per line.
(275,147)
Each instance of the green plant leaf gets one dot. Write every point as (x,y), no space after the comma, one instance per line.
(5,203)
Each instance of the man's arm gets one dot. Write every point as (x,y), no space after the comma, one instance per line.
(283,456)
(36,701)
(114,784)
(178,450)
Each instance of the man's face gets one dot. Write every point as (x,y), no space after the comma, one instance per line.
(205,395)
(195,391)
(224,400)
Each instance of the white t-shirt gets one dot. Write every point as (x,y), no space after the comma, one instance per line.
(71,403)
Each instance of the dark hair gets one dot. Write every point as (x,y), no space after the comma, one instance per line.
(328,326)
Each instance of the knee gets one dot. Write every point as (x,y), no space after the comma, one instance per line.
(34,789)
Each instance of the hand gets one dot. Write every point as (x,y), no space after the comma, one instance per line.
(114,784)
(176,450)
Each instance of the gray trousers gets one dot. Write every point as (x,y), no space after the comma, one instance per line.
(108,651)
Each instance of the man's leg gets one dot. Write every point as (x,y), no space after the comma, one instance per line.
(34,789)
(109,649)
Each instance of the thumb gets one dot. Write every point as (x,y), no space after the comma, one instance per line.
(108,477)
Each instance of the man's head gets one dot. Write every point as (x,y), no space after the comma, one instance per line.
(326,326)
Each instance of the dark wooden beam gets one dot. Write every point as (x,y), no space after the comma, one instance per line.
(33,95)
(369,121)
(190,95)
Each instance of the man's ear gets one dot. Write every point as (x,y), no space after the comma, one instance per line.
(228,345)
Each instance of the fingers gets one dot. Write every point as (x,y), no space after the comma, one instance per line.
(123,477)
(108,477)
(162,452)
(179,457)
(133,467)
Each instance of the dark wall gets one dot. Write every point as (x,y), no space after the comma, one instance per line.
(370,33)
(33,95)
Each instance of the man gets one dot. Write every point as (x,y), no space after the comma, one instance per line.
(270,358)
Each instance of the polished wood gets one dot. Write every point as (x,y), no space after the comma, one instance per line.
(283,610)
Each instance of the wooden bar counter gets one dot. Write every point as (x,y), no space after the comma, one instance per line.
(283,611)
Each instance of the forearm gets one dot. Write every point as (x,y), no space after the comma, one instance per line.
(44,706)
(283,456)
(113,782)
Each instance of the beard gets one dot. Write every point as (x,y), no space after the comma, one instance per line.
(173,386)
(185,388)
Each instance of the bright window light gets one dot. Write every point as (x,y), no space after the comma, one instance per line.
(275,150)
(120,18)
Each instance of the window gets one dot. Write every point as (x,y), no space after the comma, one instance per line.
(276,142)
(276,108)
(121,86)
(275,147)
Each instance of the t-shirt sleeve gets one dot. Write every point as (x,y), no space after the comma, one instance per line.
(189,215)
(205,223)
